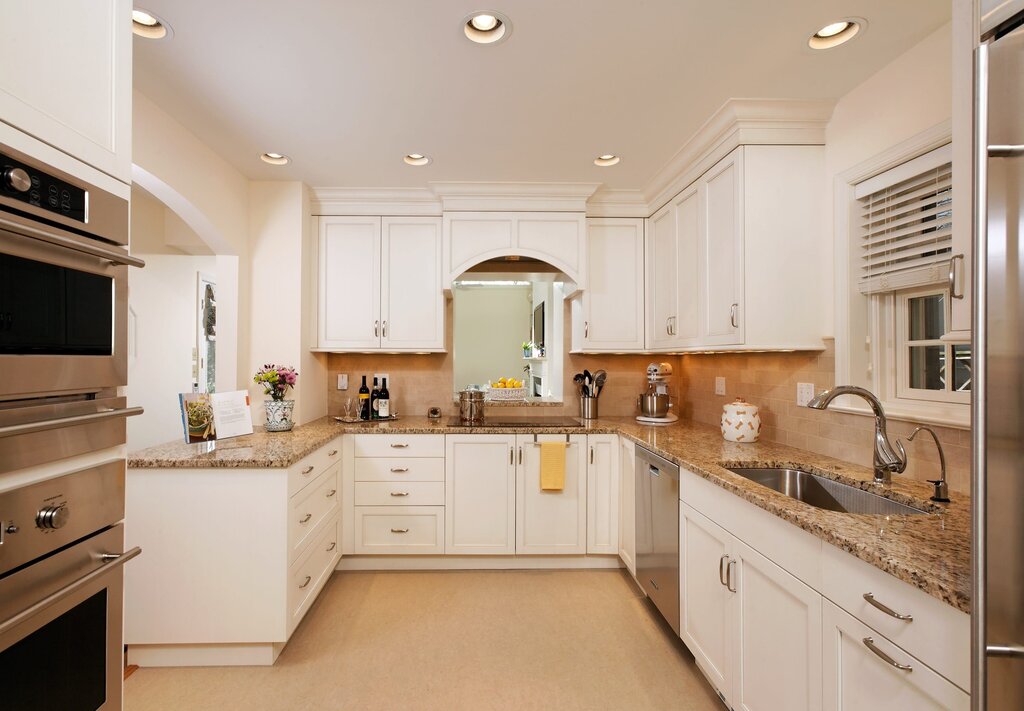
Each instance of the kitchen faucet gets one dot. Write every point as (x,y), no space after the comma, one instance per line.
(887,459)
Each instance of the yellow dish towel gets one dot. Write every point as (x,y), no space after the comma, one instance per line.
(552,466)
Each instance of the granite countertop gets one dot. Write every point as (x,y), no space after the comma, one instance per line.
(931,552)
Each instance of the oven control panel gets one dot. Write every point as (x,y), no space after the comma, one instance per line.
(24,183)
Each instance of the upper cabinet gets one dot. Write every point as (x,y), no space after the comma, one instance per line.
(609,314)
(380,284)
(66,78)
(732,259)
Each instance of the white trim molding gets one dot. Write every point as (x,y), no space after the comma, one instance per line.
(618,203)
(739,122)
(416,202)
(513,197)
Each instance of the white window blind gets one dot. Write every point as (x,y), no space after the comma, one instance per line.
(905,220)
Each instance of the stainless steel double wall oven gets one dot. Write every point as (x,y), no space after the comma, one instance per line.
(63,357)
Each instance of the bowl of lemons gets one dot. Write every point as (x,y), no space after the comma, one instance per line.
(506,389)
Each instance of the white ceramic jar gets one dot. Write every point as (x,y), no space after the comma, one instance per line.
(740,421)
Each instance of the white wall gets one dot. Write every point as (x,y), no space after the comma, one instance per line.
(281,248)
(163,306)
(490,325)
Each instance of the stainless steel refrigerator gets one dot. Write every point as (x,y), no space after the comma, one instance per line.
(998,409)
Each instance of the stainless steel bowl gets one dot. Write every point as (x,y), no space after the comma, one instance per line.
(653,404)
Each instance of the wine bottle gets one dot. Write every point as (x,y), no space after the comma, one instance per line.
(364,401)
(384,401)
(374,396)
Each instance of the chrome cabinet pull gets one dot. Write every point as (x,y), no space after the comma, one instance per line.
(870,644)
(511,455)
(952,276)
(668,327)
(384,329)
(331,493)
(332,453)
(586,329)
(734,315)
(376,328)
(870,599)
(721,570)
(728,575)
(307,470)
(305,582)
(520,455)
(1005,151)
(398,445)
(305,519)
(399,470)
(399,493)
(399,530)
(331,547)
(591,455)
(673,330)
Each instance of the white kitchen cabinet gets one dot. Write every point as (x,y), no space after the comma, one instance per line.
(627,504)
(480,494)
(66,78)
(721,251)
(603,494)
(662,282)
(609,314)
(380,284)
(686,321)
(551,522)
(857,677)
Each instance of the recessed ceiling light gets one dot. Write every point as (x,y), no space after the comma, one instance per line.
(836,33)
(606,160)
(146,24)
(275,158)
(416,159)
(486,27)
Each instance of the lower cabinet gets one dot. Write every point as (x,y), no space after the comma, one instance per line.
(627,504)
(603,492)
(480,494)
(754,629)
(551,522)
(863,670)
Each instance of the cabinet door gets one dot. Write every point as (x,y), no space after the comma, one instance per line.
(704,600)
(722,251)
(480,494)
(662,285)
(603,494)
(627,504)
(685,325)
(855,677)
(349,295)
(613,302)
(66,78)
(777,637)
(551,521)
(412,298)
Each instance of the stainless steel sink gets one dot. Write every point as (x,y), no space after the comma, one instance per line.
(825,493)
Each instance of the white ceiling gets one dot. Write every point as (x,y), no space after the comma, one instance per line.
(347,87)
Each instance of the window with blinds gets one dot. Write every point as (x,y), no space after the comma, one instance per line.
(905,218)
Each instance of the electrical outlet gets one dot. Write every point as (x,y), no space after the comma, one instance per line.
(719,386)
(804,393)
(342,381)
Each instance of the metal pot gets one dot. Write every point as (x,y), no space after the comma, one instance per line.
(471,407)
(653,404)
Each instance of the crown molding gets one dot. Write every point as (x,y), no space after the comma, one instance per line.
(739,122)
(513,196)
(618,203)
(374,201)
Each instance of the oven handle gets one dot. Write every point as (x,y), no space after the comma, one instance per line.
(111,255)
(110,561)
(42,426)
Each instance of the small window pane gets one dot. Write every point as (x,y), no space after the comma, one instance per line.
(962,370)
(926,317)
(927,367)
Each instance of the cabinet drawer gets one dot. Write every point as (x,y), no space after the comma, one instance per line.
(939,635)
(308,509)
(386,530)
(398,493)
(310,467)
(399,469)
(397,445)
(309,574)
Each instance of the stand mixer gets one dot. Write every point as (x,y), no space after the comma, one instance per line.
(654,404)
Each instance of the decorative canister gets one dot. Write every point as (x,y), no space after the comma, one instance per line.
(740,421)
(279,415)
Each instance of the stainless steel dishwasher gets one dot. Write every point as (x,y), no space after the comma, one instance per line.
(657,532)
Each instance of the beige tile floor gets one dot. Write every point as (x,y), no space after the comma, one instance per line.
(457,640)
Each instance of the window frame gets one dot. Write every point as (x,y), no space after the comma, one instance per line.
(902,343)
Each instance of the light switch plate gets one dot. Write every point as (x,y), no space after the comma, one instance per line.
(342,381)
(719,386)
(804,393)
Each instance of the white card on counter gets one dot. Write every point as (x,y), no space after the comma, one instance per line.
(232,416)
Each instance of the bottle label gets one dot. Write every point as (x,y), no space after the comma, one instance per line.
(383,408)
